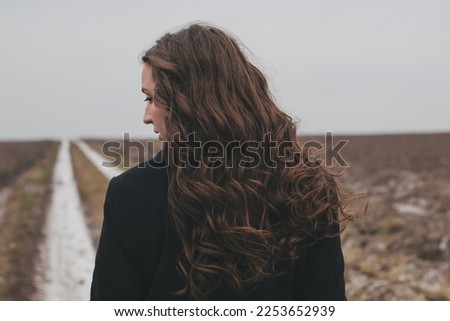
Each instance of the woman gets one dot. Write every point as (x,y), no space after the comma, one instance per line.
(230,209)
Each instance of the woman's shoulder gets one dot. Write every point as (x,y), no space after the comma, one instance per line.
(136,201)
(145,175)
(141,185)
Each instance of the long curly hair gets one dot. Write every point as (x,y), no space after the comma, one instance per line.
(238,212)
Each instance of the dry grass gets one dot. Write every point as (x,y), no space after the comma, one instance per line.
(92,187)
(399,250)
(21,230)
(17,157)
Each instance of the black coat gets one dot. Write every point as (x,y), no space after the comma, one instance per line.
(138,251)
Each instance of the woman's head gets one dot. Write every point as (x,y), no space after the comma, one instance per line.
(156,115)
(210,87)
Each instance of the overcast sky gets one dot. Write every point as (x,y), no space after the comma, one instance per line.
(71,68)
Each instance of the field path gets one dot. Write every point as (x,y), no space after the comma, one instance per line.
(97,160)
(68,255)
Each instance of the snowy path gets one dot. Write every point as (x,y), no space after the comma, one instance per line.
(68,255)
(97,160)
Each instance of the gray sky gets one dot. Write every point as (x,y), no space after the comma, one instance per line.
(70,68)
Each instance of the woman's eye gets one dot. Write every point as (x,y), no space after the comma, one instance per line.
(150,99)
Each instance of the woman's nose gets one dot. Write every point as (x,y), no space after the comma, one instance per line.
(148,116)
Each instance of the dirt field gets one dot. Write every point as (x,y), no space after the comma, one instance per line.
(399,250)
(16,157)
(23,216)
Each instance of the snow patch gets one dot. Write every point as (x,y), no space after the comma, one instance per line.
(407,208)
(98,160)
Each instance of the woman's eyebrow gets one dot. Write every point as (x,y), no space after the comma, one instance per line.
(148,91)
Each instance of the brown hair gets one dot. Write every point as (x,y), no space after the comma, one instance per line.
(235,222)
